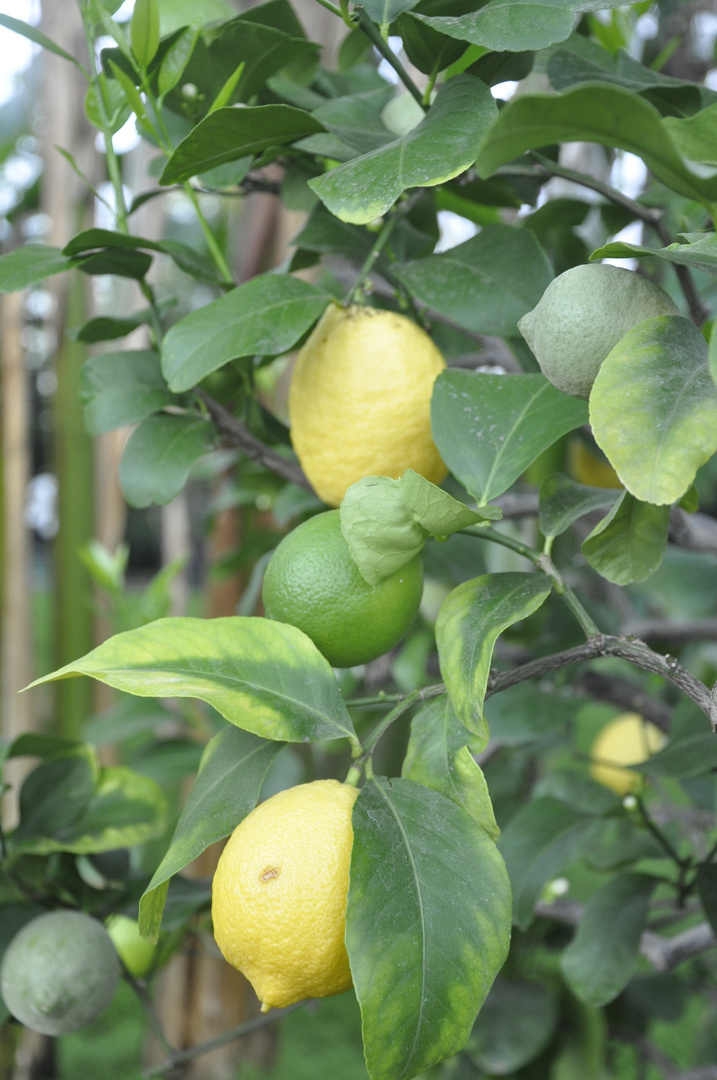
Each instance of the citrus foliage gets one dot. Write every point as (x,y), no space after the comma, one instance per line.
(489,792)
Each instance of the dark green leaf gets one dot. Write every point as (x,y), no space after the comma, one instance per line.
(128,264)
(265,316)
(105,328)
(661,367)
(263,676)
(680,759)
(603,114)
(383,12)
(29,264)
(469,623)
(439,756)
(356,121)
(54,795)
(443,145)
(230,133)
(563,501)
(185,257)
(543,838)
(602,957)
(160,455)
(427,924)
(526,713)
(489,428)
(707,889)
(628,544)
(230,776)
(485,284)
(514,1026)
(511,25)
(122,388)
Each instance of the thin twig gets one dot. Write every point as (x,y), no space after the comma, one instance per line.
(182,1056)
(240,436)
(370,30)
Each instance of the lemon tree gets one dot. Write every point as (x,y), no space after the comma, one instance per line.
(473,473)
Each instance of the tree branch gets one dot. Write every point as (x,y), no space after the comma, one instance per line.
(663,954)
(632,650)
(239,435)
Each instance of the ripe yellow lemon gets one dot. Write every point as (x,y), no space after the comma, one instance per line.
(280,890)
(312,582)
(360,397)
(59,972)
(626,740)
(587,466)
(582,315)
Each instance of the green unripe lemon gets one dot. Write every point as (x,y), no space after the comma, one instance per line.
(134,951)
(312,582)
(59,973)
(582,315)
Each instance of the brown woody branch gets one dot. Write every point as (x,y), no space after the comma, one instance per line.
(239,435)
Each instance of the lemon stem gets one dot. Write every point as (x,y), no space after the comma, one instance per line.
(373,34)
(544,563)
(353,776)
(381,241)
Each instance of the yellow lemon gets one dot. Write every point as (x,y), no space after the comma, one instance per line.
(360,400)
(582,315)
(626,740)
(588,466)
(280,890)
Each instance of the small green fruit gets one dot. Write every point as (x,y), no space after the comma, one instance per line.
(582,315)
(134,951)
(59,973)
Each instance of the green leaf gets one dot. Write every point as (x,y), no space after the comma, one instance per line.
(263,676)
(144,31)
(356,121)
(670,428)
(602,957)
(33,34)
(681,759)
(489,428)
(231,133)
(185,257)
(439,756)
(386,522)
(174,14)
(593,113)
(159,456)
(29,264)
(54,795)
(264,317)
(125,809)
(694,136)
(512,25)
(563,501)
(527,713)
(707,889)
(468,625)
(231,772)
(443,145)
(383,12)
(514,1026)
(175,60)
(122,388)
(224,96)
(427,924)
(485,284)
(698,251)
(544,837)
(106,328)
(628,544)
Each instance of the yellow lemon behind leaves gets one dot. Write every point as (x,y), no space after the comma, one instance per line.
(626,740)
(280,890)
(360,398)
